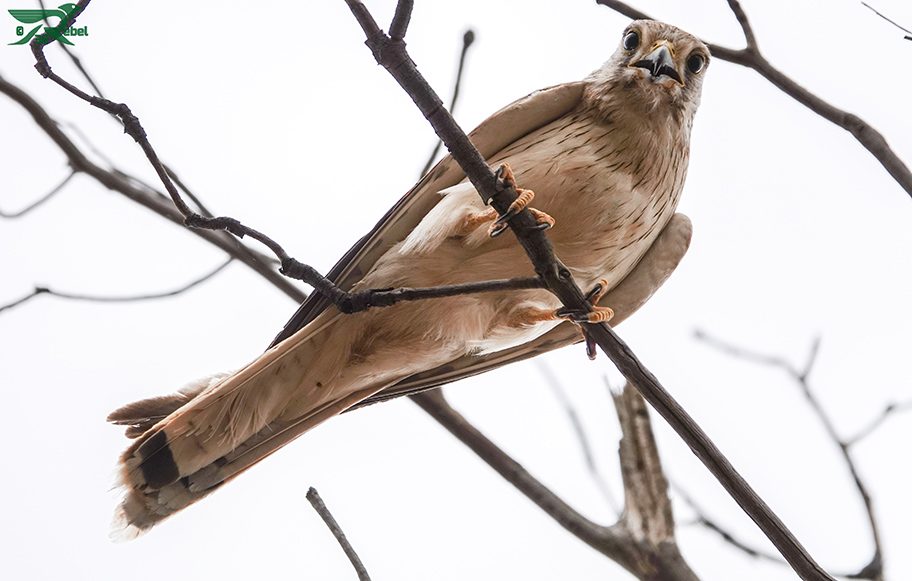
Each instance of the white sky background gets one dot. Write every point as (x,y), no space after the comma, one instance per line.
(275,113)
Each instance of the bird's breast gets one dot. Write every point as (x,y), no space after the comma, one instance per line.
(610,188)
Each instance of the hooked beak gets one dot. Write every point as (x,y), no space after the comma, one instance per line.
(658,63)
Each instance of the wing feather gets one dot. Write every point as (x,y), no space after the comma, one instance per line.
(496,132)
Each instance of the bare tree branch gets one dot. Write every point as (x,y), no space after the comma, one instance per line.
(54,191)
(392,55)
(314,498)
(150,199)
(874,569)
(893,22)
(751,58)
(43,290)
(467,39)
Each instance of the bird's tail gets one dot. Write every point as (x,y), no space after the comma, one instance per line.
(190,443)
(143,508)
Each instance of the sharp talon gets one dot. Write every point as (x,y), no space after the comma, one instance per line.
(496,229)
(544,220)
(597,292)
(541,226)
(505,174)
(518,205)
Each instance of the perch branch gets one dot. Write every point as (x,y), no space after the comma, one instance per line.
(314,498)
(751,58)
(393,56)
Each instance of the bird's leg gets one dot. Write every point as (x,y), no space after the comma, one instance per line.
(474,220)
(505,174)
(532,315)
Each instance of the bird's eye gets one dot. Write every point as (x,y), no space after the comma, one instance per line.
(696,62)
(631,40)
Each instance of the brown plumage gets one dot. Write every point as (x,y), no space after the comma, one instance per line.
(606,158)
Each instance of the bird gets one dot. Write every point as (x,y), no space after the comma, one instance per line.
(31,16)
(603,161)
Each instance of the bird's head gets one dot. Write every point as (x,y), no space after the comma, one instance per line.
(655,67)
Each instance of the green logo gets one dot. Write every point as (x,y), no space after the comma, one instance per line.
(50,33)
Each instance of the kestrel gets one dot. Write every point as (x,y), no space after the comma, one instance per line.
(606,159)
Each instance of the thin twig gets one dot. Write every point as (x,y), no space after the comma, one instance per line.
(467,39)
(874,569)
(582,437)
(746,27)
(703,518)
(43,290)
(314,497)
(893,22)
(76,61)
(394,57)
(144,195)
(751,58)
(54,191)
(889,410)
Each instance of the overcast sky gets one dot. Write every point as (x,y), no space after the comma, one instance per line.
(275,113)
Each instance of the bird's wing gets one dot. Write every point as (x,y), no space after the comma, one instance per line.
(32,16)
(496,132)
